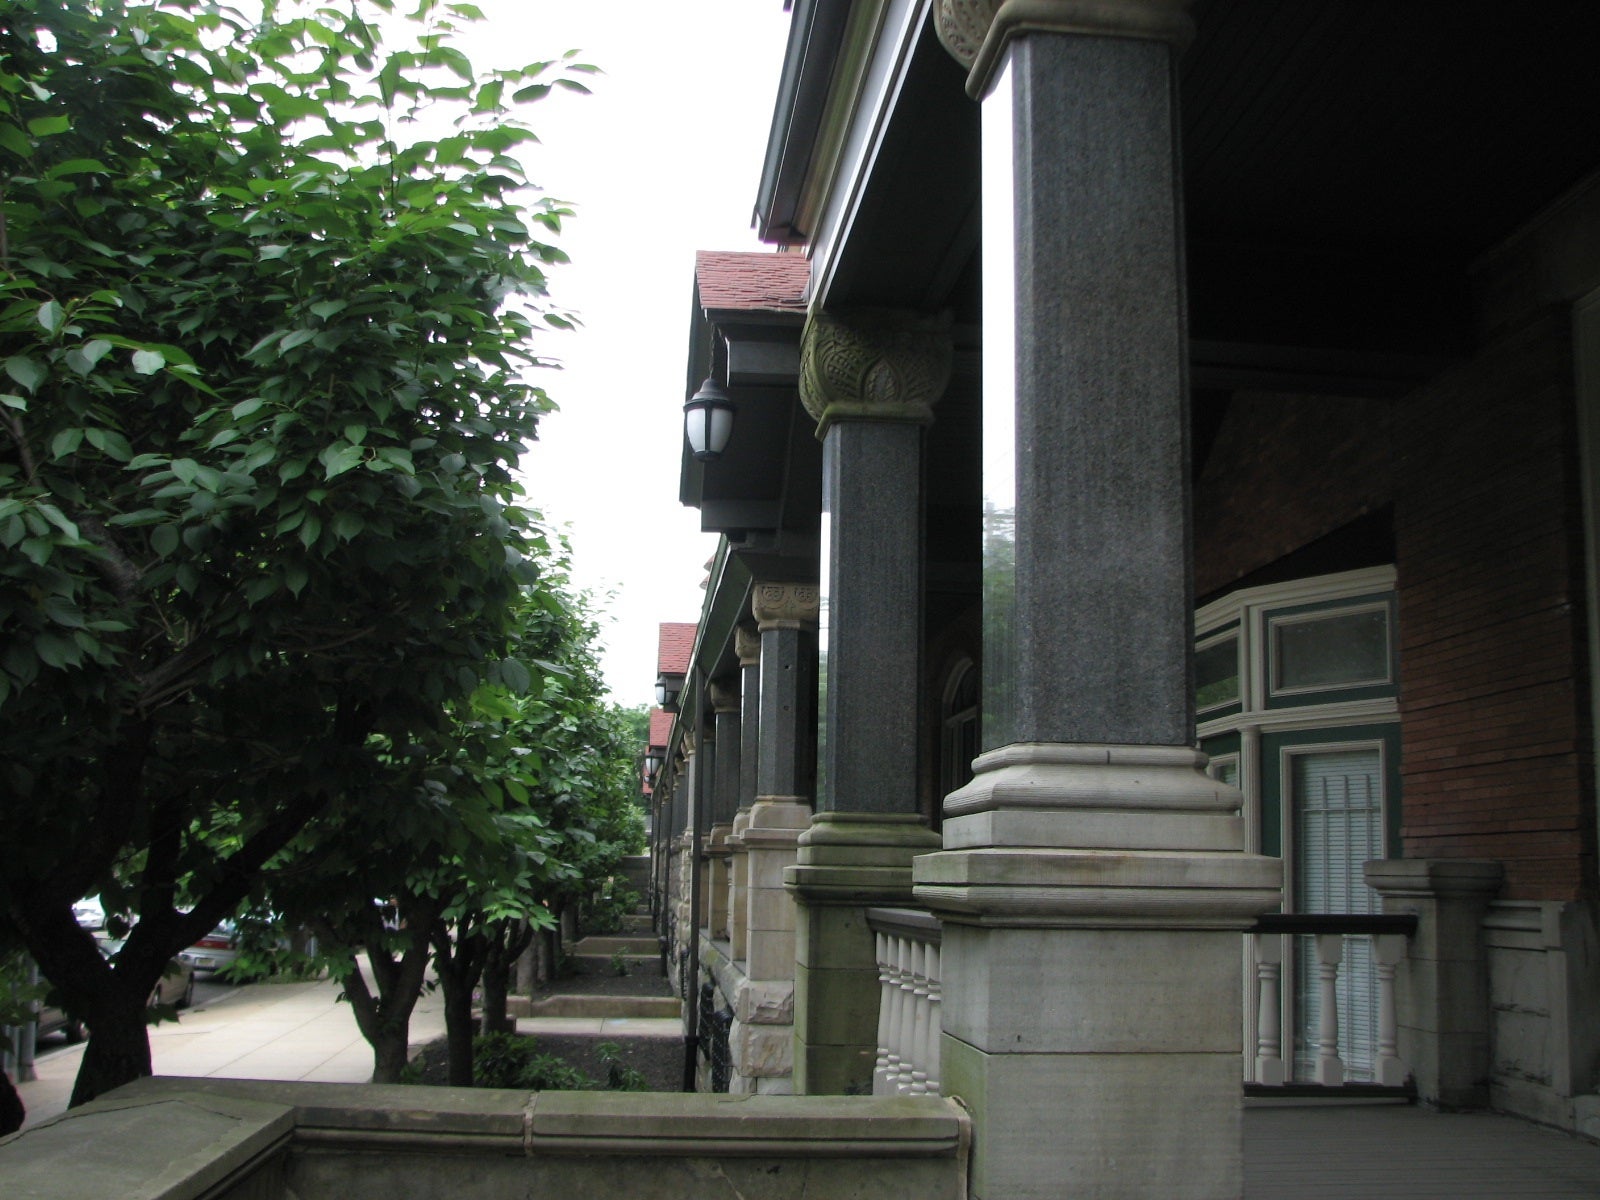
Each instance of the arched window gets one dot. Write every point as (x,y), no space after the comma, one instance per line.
(958,727)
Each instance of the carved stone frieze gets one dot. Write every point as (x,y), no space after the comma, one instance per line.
(786,605)
(874,364)
(976,31)
(747,644)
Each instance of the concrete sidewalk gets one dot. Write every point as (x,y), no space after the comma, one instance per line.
(260,1031)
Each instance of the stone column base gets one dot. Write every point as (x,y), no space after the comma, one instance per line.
(1092,914)
(848,862)
(738,886)
(714,903)
(770,841)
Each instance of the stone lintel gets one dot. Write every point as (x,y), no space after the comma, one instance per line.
(1099,888)
(976,32)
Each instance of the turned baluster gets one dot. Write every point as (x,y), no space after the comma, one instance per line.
(1330,952)
(1269,1034)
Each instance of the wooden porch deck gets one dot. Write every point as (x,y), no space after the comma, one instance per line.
(1327,1151)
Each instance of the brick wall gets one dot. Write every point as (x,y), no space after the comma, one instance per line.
(1492,680)
(1284,471)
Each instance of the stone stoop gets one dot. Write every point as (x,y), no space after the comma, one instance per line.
(605,947)
(576,1004)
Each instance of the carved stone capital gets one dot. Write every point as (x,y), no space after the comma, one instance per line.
(975,32)
(873,364)
(785,605)
(747,644)
(724,697)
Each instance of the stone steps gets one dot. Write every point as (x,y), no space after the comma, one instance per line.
(605,947)
(574,1004)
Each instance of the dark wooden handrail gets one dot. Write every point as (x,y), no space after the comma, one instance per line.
(1370,923)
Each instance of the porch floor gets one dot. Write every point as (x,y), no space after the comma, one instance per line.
(1316,1150)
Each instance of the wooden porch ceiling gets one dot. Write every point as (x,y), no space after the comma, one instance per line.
(1344,164)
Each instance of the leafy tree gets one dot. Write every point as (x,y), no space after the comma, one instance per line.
(260,403)
(481,835)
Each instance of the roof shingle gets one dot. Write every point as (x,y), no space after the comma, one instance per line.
(751,280)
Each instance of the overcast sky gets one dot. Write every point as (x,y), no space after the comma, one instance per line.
(663,159)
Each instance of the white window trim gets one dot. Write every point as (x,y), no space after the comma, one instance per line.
(1269,648)
(1217,639)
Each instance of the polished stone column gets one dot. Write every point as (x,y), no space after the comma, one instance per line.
(870,379)
(724,785)
(760,1040)
(1094,885)
(747,641)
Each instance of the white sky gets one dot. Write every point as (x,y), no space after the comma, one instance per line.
(663,159)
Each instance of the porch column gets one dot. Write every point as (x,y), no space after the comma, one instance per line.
(747,642)
(870,379)
(760,1039)
(724,803)
(687,784)
(1442,985)
(1093,884)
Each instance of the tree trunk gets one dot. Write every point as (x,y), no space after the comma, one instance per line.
(118,1050)
(458,963)
(459,1029)
(496,987)
(385,1018)
(507,940)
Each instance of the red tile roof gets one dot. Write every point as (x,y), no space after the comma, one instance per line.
(660,726)
(751,280)
(674,646)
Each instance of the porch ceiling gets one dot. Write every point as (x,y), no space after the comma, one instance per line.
(1344,165)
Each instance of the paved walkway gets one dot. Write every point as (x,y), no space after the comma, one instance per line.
(261,1031)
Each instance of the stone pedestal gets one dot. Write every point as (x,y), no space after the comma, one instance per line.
(1091,969)
(738,888)
(1442,987)
(847,862)
(870,379)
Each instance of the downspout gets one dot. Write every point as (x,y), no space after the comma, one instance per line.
(691,1035)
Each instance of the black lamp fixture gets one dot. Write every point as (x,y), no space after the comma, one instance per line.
(668,687)
(708,421)
(652,763)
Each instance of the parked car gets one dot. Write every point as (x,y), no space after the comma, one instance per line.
(175,990)
(218,949)
(176,986)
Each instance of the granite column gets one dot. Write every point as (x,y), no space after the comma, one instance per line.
(870,378)
(760,1039)
(1093,884)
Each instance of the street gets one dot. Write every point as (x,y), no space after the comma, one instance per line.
(292,1030)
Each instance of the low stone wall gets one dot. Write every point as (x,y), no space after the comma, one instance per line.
(210,1139)
(1544,985)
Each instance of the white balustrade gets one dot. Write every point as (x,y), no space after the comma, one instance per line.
(908,1010)
(1390,934)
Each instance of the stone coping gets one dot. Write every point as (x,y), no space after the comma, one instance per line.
(577,1004)
(158,1136)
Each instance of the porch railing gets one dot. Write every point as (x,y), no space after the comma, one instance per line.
(908,1008)
(1267,1073)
